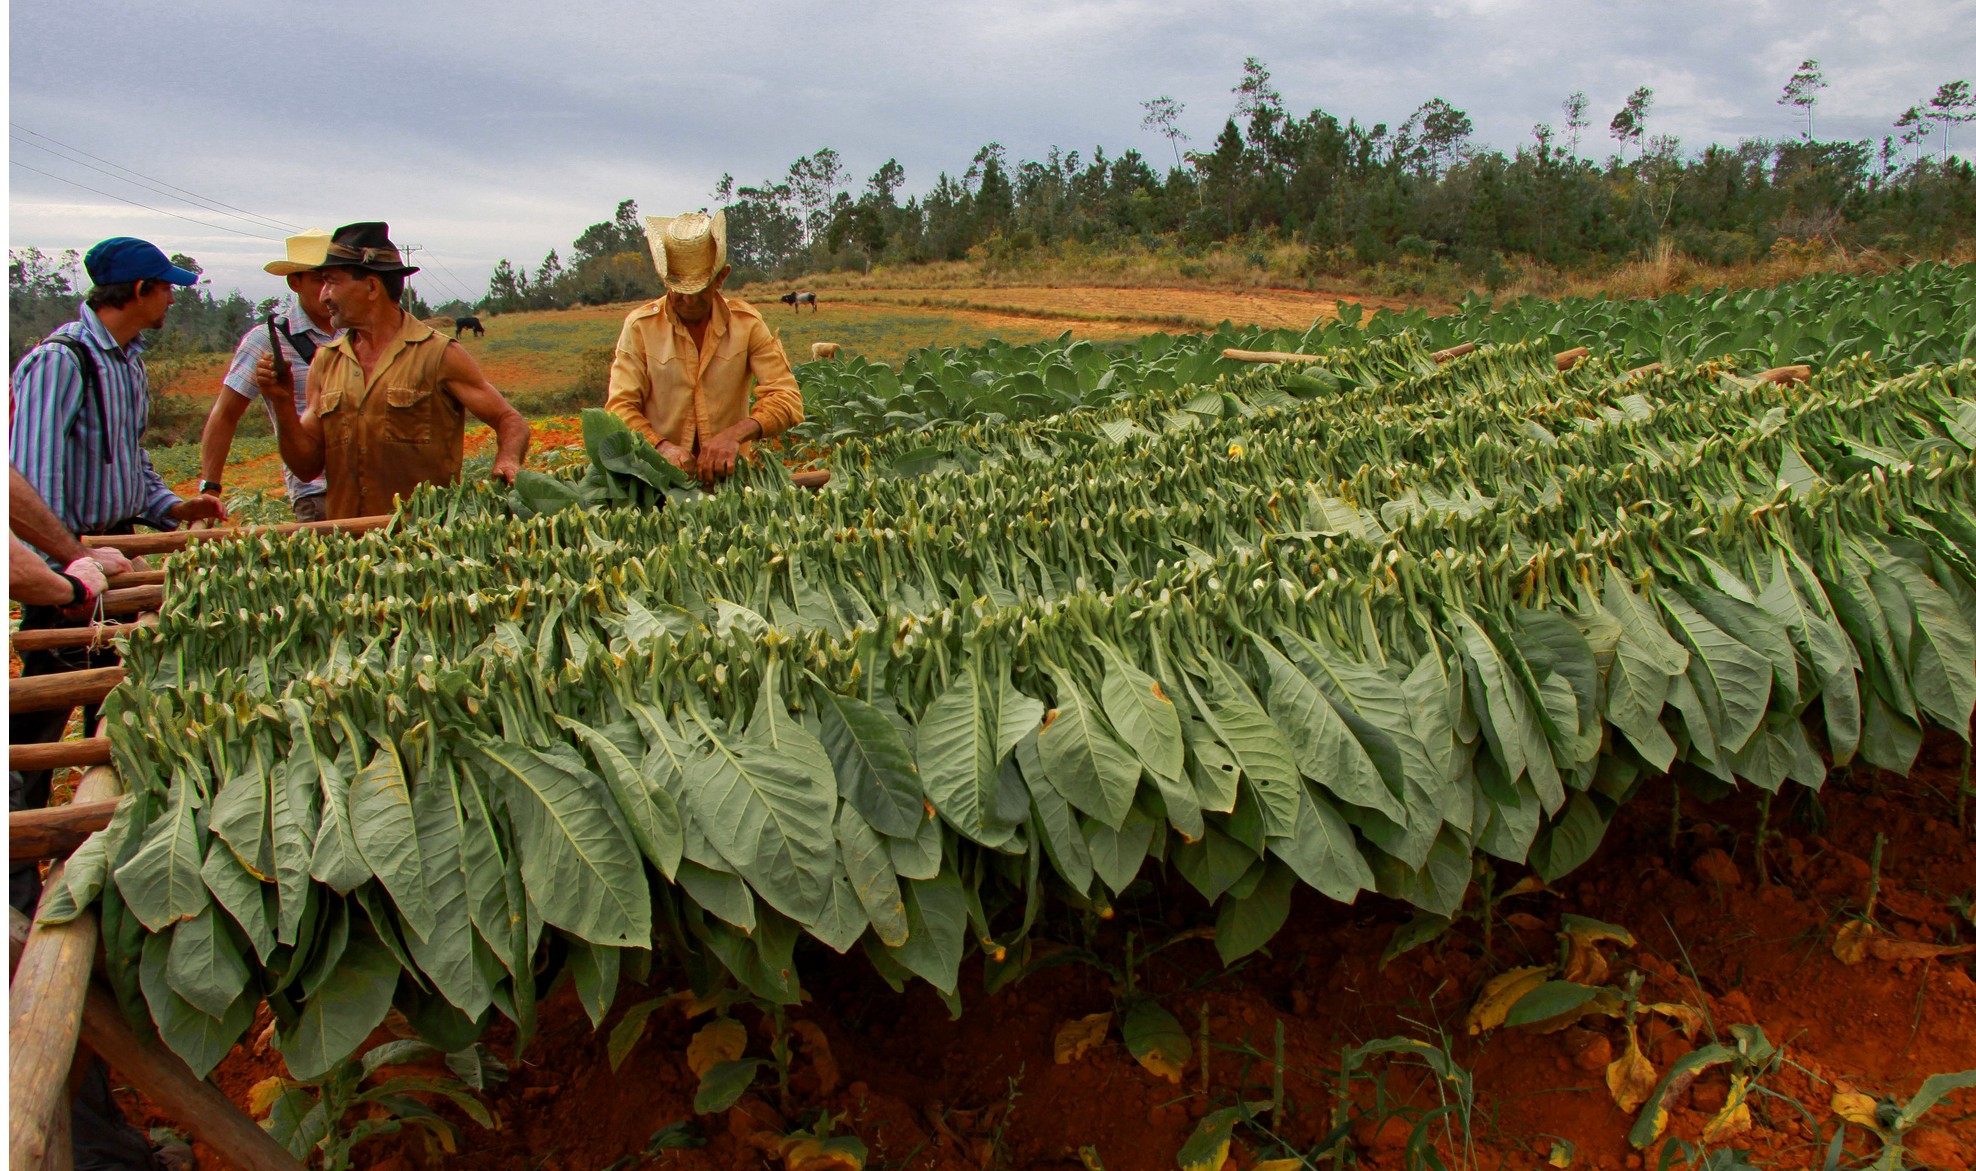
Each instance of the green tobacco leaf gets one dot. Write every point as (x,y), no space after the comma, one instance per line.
(630,1028)
(1246,924)
(350,1003)
(767,800)
(868,865)
(577,861)
(1732,680)
(240,819)
(1156,1040)
(649,810)
(1321,850)
(1326,751)
(874,767)
(936,919)
(1143,714)
(1207,1148)
(963,739)
(1549,1000)
(1080,758)
(386,834)
(199,1040)
(205,966)
(1257,744)
(723,1084)
(1117,854)
(293,802)
(336,862)
(161,883)
(445,954)
(242,896)
(1054,820)
(594,971)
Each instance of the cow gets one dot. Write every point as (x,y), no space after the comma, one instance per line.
(796,301)
(472,323)
(821,350)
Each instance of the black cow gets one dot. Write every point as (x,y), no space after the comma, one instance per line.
(472,323)
(796,301)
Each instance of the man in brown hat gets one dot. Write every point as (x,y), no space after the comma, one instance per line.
(387,401)
(689,364)
(295,331)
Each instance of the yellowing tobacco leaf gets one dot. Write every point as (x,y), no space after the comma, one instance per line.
(1858,1109)
(1563,1154)
(1278,1165)
(1849,944)
(817,1046)
(1734,1117)
(811,1154)
(721,1040)
(1493,1003)
(265,1094)
(1688,1017)
(1895,950)
(1076,1038)
(1630,1077)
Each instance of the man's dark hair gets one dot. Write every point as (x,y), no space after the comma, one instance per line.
(394,284)
(115,295)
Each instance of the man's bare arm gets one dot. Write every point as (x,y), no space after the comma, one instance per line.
(300,439)
(468,383)
(30,518)
(216,438)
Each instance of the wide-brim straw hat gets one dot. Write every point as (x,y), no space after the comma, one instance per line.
(688,250)
(306,253)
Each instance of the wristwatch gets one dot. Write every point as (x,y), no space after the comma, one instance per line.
(209,485)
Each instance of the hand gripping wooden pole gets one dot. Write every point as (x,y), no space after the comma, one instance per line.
(144,544)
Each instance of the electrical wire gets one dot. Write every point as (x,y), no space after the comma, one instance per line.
(147,207)
(204,202)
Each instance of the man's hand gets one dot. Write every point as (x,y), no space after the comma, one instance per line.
(680,457)
(111,560)
(198,508)
(89,572)
(506,469)
(718,455)
(276,380)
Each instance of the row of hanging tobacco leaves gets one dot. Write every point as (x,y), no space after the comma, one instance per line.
(1921,315)
(1349,627)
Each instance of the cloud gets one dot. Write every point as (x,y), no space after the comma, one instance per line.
(501,128)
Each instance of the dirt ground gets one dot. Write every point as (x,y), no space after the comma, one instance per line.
(984,1091)
(1188,308)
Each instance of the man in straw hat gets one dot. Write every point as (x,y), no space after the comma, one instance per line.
(686,363)
(294,331)
(387,402)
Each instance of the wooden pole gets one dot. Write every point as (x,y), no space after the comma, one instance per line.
(45,1004)
(1785,375)
(812,479)
(141,544)
(59,637)
(48,693)
(1269,356)
(138,577)
(59,754)
(1453,352)
(129,603)
(159,1075)
(1638,371)
(55,832)
(1569,358)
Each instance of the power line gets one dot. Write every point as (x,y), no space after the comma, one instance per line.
(147,207)
(270,221)
(453,288)
(257,221)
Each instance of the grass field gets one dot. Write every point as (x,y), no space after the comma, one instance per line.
(552,364)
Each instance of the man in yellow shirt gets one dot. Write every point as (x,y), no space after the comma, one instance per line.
(699,373)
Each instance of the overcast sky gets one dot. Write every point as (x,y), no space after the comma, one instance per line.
(497,128)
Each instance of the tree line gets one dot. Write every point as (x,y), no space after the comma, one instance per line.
(1354,194)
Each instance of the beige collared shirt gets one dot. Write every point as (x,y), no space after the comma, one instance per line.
(664,387)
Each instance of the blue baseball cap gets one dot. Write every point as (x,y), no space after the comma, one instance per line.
(126,258)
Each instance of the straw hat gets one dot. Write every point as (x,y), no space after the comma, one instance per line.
(689,250)
(305,252)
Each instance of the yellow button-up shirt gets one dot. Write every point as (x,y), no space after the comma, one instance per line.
(663,386)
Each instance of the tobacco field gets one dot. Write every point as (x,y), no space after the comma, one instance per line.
(1067,618)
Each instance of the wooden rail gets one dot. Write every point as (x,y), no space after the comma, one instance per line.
(59,754)
(138,577)
(55,832)
(141,544)
(60,637)
(49,693)
(128,603)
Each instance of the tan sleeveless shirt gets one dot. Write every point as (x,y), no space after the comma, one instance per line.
(389,433)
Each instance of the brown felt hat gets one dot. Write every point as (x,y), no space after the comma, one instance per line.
(366,246)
